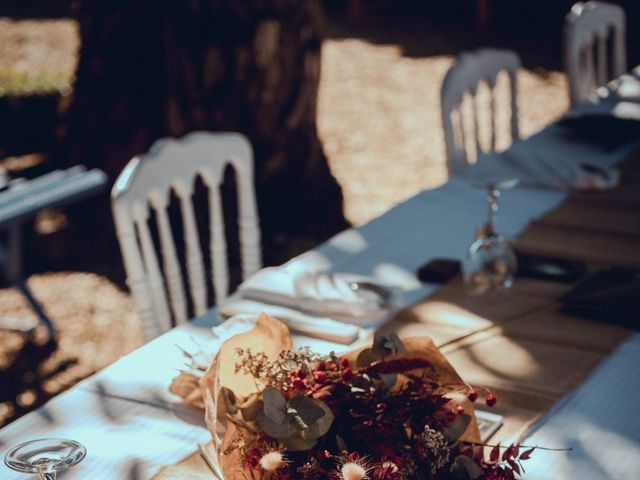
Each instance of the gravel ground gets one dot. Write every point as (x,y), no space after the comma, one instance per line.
(36,45)
(379,120)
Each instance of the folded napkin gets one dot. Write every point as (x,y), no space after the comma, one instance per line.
(336,307)
(580,151)
(549,161)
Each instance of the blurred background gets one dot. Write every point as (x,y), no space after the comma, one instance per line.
(341,99)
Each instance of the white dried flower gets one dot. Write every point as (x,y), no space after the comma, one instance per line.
(272,461)
(353,471)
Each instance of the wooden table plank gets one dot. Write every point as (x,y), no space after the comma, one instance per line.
(535,370)
(595,246)
(602,216)
(558,329)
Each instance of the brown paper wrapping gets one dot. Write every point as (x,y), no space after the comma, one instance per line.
(271,336)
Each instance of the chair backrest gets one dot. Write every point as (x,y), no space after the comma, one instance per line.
(146,184)
(463,79)
(591,26)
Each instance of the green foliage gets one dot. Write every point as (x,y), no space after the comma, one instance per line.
(298,423)
(18,83)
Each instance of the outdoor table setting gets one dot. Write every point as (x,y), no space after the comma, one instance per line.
(555,359)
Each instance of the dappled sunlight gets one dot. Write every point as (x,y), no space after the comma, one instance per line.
(380,123)
(350,241)
(396,276)
(520,360)
(452,315)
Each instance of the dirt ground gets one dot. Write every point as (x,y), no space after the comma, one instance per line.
(379,121)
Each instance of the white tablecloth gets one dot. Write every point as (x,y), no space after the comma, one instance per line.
(132,426)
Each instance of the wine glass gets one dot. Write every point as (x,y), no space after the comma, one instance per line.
(490,263)
(45,456)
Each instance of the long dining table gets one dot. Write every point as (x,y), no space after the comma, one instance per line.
(545,364)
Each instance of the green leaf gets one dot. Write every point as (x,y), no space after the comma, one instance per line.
(398,346)
(380,349)
(321,426)
(275,405)
(297,444)
(365,358)
(306,408)
(279,431)
(463,468)
(388,379)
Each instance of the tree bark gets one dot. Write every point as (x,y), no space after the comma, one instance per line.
(152,69)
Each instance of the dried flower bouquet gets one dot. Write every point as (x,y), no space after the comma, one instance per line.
(395,411)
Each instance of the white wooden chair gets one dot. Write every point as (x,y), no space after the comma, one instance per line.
(463,78)
(146,183)
(592,25)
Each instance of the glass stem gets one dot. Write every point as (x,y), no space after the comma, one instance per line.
(47,475)
(492,200)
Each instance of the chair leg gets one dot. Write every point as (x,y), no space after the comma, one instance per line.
(11,265)
(14,258)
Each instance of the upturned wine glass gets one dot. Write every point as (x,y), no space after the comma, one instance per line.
(45,456)
(490,263)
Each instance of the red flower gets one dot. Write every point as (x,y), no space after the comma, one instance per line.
(491,399)
(347,374)
(320,377)
(298,384)
(472,394)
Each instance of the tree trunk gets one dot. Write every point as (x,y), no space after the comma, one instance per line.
(151,69)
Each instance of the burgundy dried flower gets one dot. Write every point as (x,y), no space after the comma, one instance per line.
(347,374)
(320,377)
(397,365)
(472,394)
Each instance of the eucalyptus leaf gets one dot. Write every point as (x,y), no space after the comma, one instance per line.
(322,425)
(298,444)
(279,431)
(379,348)
(457,427)
(274,405)
(365,358)
(389,379)
(306,408)
(397,343)
(463,468)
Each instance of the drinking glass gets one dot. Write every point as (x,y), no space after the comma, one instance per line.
(45,457)
(490,263)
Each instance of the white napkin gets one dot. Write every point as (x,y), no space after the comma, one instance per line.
(243,323)
(314,303)
(549,161)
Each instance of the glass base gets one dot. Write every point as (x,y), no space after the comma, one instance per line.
(490,265)
(45,456)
